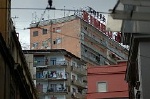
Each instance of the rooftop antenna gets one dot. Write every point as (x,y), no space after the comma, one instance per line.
(64,11)
(48,15)
(34,18)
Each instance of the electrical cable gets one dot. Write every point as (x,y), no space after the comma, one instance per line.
(83,40)
(78,39)
(106,66)
(109,92)
(51,9)
(65,34)
(106,73)
(41,17)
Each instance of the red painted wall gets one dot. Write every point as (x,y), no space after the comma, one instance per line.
(114,76)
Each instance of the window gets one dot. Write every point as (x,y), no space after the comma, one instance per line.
(102,87)
(34,45)
(58,30)
(44,31)
(57,41)
(73,77)
(74,90)
(82,36)
(73,64)
(53,61)
(53,87)
(45,44)
(35,33)
(85,27)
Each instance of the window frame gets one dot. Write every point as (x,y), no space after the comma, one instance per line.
(98,86)
(35,45)
(44,31)
(57,41)
(35,33)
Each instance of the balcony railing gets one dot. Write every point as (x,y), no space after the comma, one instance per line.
(94,38)
(51,90)
(79,84)
(48,76)
(41,63)
(78,96)
(94,49)
(79,70)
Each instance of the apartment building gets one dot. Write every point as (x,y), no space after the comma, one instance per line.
(107,82)
(57,73)
(15,78)
(77,36)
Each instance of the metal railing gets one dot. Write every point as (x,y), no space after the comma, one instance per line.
(58,76)
(50,63)
(50,90)
(79,70)
(79,83)
(78,95)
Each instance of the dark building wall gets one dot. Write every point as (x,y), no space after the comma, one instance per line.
(15,77)
(144,67)
(15,80)
(2,77)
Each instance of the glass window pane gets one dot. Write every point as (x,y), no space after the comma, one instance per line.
(44,31)
(102,87)
(35,33)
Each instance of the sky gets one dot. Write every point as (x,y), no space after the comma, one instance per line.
(23,17)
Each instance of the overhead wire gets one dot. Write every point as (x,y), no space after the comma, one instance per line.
(59,10)
(106,73)
(41,16)
(81,40)
(51,9)
(109,91)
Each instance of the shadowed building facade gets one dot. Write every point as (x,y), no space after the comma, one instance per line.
(16,82)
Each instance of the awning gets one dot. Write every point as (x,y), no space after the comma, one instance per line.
(135,11)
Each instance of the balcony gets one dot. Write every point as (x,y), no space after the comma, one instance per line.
(41,76)
(50,64)
(79,70)
(79,84)
(94,49)
(95,39)
(78,96)
(51,91)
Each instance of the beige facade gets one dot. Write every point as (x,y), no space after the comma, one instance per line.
(78,37)
(58,74)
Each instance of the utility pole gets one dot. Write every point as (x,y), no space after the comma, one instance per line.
(50,3)
(51,34)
